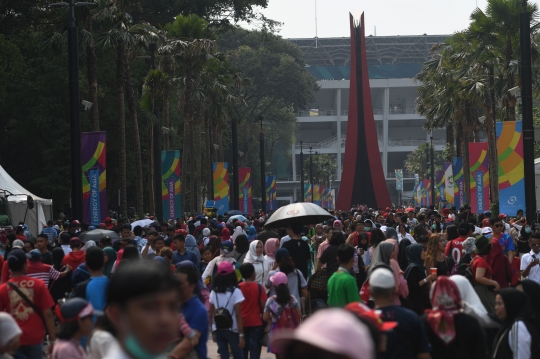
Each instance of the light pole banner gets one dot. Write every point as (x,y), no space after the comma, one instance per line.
(316,195)
(244,186)
(271,199)
(459,182)
(399,180)
(94,177)
(478,160)
(170,184)
(307,192)
(421,193)
(332,204)
(448,183)
(427,192)
(439,187)
(322,191)
(511,166)
(221,186)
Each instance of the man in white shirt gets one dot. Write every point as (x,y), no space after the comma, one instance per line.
(530,267)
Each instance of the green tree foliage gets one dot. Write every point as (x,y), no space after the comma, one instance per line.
(324,169)
(419,161)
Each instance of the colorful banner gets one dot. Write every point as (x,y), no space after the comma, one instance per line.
(459,182)
(244,190)
(448,183)
(478,160)
(427,192)
(328,195)
(332,199)
(94,177)
(416,190)
(170,185)
(322,193)
(439,187)
(316,195)
(421,193)
(307,192)
(399,180)
(221,186)
(511,166)
(271,199)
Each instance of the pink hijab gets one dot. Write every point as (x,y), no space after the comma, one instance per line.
(401,283)
(270,247)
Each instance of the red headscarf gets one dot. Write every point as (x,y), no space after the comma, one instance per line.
(225,234)
(446,302)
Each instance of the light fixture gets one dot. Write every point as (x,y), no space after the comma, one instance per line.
(87,105)
(216,146)
(482,119)
(165,130)
(515,91)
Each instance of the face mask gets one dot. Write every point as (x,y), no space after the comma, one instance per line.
(366,228)
(528,230)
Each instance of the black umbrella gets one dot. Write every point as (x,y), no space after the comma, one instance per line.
(96,234)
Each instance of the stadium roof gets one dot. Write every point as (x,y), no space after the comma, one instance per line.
(381,50)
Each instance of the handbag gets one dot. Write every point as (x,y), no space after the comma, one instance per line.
(319,280)
(31,304)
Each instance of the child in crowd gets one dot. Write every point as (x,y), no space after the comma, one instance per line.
(206,257)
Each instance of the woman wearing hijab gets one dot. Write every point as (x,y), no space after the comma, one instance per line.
(452,333)
(418,282)
(401,284)
(270,248)
(241,248)
(402,255)
(499,263)
(532,289)
(482,272)
(471,303)
(518,337)
(88,245)
(252,233)
(391,233)
(225,235)
(262,265)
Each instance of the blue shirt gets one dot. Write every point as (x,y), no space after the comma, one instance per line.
(188,256)
(96,292)
(50,232)
(197,318)
(506,242)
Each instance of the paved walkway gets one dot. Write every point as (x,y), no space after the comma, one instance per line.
(212,351)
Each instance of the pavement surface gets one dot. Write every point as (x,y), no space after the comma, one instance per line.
(212,351)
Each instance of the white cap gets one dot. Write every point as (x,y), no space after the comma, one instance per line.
(384,228)
(382,278)
(487,230)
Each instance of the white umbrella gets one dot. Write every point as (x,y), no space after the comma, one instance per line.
(298,213)
(141,222)
(238,217)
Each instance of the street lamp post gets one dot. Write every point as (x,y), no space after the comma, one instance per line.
(235,185)
(74,120)
(527,105)
(311,173)
(301,173)
(432,172)
(263,179)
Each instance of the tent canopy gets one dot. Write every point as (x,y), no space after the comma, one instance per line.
(36,218)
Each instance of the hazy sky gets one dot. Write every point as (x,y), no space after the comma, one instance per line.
(391,17)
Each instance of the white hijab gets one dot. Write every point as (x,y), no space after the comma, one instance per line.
(237,231)
(251,256)
(472,304)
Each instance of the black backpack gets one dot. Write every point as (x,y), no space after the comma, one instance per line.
(222,316)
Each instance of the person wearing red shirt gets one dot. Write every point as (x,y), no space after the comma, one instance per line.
(455,247)
(251,308)
(45,272)
(30,322)
(482,274)
(19,233)
(76,257)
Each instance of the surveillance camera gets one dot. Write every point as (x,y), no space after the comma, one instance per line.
(165,130)
(87,105)
(515,91)
(482,119)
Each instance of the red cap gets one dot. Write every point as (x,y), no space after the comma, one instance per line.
(239,223)
(485,222)
(76,222)
(373,316)
(181,231)
(107,219)
(502,215)
(152,217)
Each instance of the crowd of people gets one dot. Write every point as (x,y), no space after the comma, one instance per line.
(387,283)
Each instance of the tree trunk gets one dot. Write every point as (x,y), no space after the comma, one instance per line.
(132,106)
(120,79)
(166,102)
(150,161)
(209,163)
(492,149)
(450,141)
(91,76)
(465,157)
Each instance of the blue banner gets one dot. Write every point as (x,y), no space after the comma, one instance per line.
(479,178)
(95,213)
(459,182)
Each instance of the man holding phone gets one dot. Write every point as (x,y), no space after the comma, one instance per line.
(530,267)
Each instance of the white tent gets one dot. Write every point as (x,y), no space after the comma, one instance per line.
(37,217)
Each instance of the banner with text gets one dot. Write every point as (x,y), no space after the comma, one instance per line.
(316,195)
(94,177)
(307,192)
(478,160)
(221,186)
(271,197)
(244,186)
(427,193)
(511,166)
(459,182)
(421,193)
(439,187)
(170,185)
(448,183)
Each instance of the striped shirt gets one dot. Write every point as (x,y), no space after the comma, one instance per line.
(42,271)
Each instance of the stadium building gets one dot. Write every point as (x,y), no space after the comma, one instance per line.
(393,61)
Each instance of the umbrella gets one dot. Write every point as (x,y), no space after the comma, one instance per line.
(238,217)
(234,212)
(142,223)
(298,213)
(96,234)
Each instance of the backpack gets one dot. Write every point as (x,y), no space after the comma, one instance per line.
(222,316)
(289,318)
(199,238)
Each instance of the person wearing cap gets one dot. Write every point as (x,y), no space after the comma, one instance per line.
(75,317)
(226,295)
(76,257)
(11,334)
(342,287)
(506,242)
(226,255)
(135,287)
(330,333)
(31,290)
(452,333)
(50,232)
(410,340)
(45,272)
(108,223)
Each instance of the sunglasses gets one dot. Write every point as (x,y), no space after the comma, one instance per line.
(499,225)
(534,244)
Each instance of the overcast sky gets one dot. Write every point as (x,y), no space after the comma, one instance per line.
(391,17)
